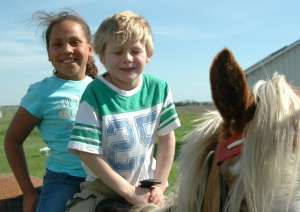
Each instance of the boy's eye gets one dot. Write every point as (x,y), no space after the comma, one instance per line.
(117,52)
(136,50)
(75,42)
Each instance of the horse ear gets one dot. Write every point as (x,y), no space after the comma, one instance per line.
(230,91)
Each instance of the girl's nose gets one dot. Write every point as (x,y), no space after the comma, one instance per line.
(67,49)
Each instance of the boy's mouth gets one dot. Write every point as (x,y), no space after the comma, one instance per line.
(126,69)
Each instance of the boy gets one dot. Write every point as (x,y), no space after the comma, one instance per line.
(120,115)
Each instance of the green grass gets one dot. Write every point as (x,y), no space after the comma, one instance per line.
(36,163)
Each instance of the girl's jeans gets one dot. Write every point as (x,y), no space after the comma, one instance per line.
(57,189)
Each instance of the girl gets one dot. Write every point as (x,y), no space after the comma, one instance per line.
(51,106)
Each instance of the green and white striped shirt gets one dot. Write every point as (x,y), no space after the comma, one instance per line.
(123,125)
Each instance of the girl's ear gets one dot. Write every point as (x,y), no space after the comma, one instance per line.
(90,49)
(48,54)
(148,59)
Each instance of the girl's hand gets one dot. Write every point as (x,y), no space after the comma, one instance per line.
(30,201)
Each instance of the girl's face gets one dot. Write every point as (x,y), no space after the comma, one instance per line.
(124,63)
(69,50)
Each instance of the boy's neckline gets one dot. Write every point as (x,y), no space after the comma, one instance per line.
(118,90)
(106,76)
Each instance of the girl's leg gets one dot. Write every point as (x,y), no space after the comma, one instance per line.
(57,189)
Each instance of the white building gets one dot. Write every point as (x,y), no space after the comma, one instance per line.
(285,61)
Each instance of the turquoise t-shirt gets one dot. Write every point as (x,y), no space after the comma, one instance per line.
(55,101)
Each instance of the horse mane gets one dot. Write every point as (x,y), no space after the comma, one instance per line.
(194,164)
(193,168)
(270,160)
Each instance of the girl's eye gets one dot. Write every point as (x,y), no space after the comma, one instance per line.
(56,44)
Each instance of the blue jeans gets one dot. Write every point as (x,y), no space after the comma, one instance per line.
(57,189)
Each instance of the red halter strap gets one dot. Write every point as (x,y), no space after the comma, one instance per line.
(230,147)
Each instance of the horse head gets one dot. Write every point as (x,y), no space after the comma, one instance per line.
(235,102)
(245,156)
(257,153)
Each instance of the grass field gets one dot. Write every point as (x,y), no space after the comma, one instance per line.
(36,162)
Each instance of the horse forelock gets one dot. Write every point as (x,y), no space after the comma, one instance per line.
(270,159)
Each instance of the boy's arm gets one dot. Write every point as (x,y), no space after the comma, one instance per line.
(103,170)
(164,160)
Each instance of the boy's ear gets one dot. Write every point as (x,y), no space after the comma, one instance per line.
(102,59)
(148,59)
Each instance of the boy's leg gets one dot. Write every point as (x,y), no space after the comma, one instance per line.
(57,189)
(91,194)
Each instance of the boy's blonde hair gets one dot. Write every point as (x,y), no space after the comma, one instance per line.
(122,27)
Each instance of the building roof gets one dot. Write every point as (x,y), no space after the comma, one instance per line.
(271,57)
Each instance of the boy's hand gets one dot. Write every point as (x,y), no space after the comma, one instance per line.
(139,195)
(156,195)
(156,191)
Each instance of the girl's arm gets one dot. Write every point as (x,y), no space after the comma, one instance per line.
(103,170)
(164,160)
(20,127)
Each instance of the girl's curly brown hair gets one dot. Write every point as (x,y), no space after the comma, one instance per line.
(91,68)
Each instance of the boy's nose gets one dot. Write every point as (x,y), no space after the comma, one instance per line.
(127,57)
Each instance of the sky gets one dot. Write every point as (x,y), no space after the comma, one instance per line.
(187,35)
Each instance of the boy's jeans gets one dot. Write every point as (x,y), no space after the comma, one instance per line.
(57,189)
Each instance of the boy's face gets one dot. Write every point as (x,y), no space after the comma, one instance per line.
(124,63)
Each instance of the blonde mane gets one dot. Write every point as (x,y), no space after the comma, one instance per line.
(193,168)
(270,159)
(194,162)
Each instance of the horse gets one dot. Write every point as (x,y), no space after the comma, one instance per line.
(245,155)
(11,196)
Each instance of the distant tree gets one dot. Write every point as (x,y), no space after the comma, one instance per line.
(191,103)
